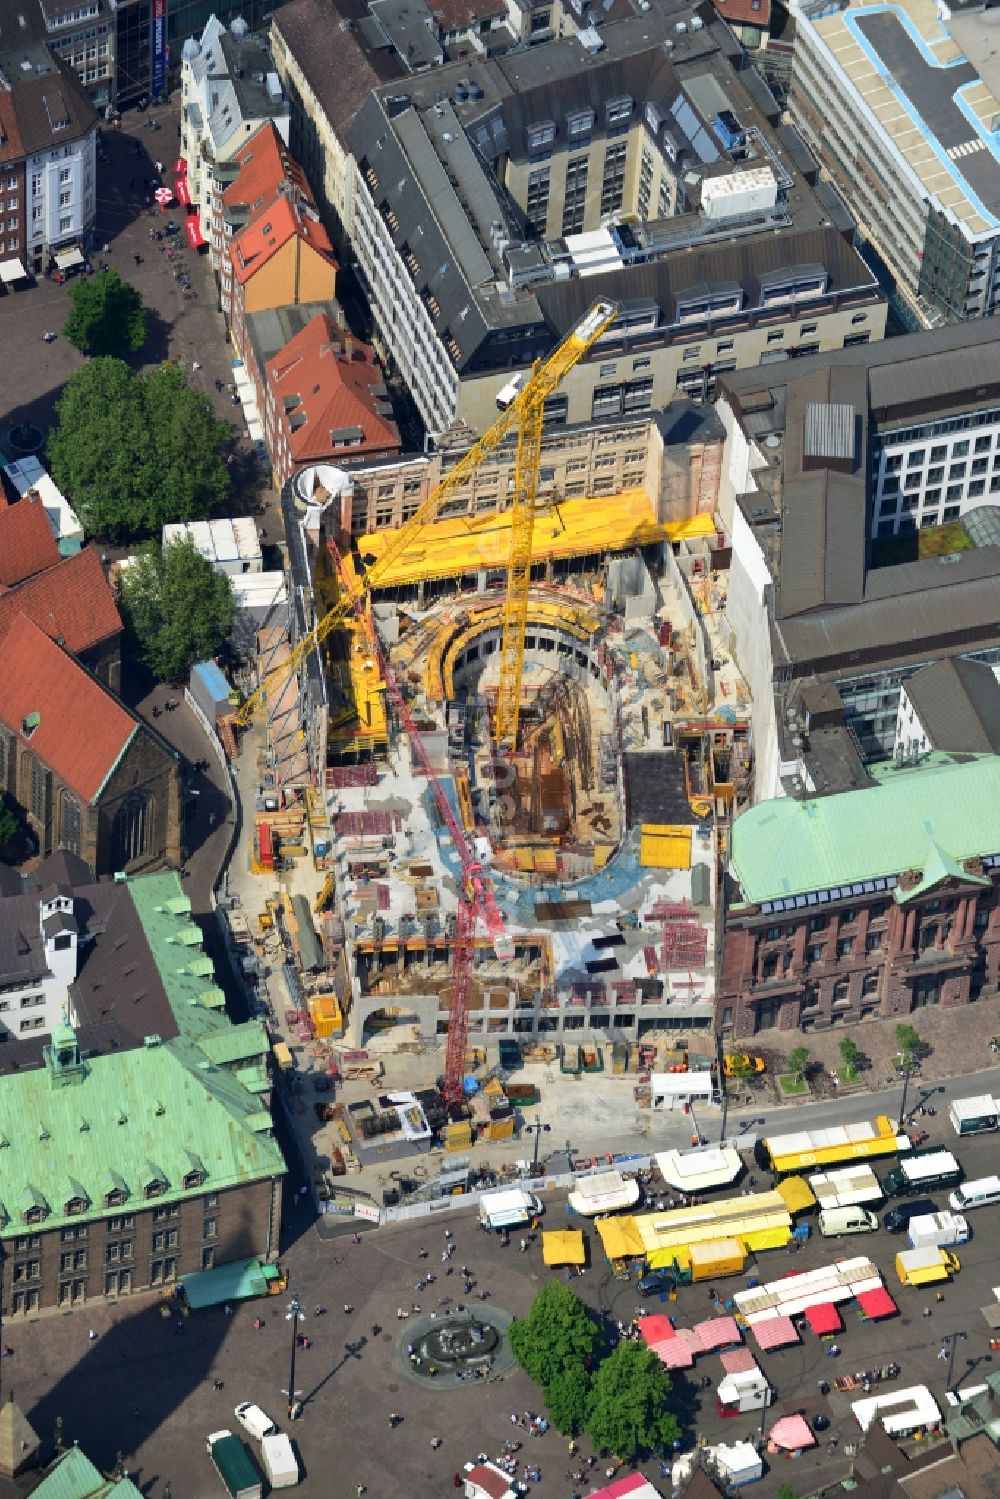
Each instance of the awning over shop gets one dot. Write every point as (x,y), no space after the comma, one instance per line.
(180,167)
(790,1434)
(239,1281)
(66,259)
(192,229)
(823,1318)
(877,1303)
(564,1247)
(774,1332)
(182,192)
(12,270)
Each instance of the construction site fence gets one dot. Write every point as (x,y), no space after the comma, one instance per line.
(215,743)
(461,1202)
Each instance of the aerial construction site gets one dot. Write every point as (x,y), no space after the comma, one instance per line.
(503,741)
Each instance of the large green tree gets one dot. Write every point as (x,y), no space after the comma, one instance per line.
(136,451)
(107,316)
(558,1332)
(9,824)
(177,608)
(568,1399)
(630,1414)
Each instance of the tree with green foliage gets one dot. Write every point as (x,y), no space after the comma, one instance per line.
(850,1053)
(798,1061)
(741,1067)
(630,1415)
(560,1331)
(785,1491)
(107,316)
(9,824)
(177,608)
(568,1399)
(909,1043)
(136,451)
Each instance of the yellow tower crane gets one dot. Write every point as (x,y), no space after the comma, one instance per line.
(526,414)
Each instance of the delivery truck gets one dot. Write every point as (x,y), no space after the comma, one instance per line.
(834,1222)
(974,1116)
(234,1466)
(925,1171)
(508,1208)
(937,1231)
(925,1267)
(279,1461)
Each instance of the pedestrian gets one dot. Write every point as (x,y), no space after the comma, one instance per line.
(348,1309)
(361,1490)
(435,1443)
(217,1384)
(523,1246)
(456,1481)
(91,1335)
(159,169)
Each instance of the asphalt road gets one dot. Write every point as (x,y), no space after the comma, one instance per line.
(143,1389)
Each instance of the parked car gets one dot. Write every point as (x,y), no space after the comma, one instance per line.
(657,1281)
(257,1422)
(897,1219)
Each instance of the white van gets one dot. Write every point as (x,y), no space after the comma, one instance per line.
(981,1193)
(853,1220)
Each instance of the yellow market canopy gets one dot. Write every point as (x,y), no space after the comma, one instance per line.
(564,1246)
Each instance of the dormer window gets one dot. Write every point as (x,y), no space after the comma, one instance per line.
(194,1178)
(579,123)
(75,1206)
(114,1199)
(34,1215)
(154,1189)
(541,136)
(617,111)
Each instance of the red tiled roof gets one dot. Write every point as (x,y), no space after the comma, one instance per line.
(82,730)
(269,231)
(742,12)
(27,544)
(265,164)
(331,376)
(457,15)
(70,601)
(491,1482)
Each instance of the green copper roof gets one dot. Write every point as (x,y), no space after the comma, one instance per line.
(930,817)
(156,1114)
(937,867)
(73,1476)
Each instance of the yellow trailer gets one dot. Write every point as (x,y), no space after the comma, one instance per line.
(722,1257)
(926,1267)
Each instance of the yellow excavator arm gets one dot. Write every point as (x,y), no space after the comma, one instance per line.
(525,413)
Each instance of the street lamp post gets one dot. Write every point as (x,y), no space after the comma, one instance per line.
(952,1338)
(907,1073)
(294,1314)
(537,1129)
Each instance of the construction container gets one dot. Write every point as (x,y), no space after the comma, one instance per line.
(325,1014)
(458,1136)
(619,1059)
(718,1257)
(500,1129)
(282,1056)
(293,850)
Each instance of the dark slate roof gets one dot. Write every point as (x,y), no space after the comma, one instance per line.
(22,953)
(46,96)
(958,703)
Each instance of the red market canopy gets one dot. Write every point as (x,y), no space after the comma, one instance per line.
(676,1353)
(182,192)
(656,1329)
(180,167)
(877,1303)
(738,1361)
(774,1332)
(192,229)
(823,1318)
(790,1434)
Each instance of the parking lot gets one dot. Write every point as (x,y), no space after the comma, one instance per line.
(146,1389)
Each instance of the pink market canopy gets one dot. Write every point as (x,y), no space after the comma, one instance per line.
(717,1332)
(774,1332)
(163,196)
(656,1329)
(790,1434)
(738,1361)
(877,1303)
(823,1318)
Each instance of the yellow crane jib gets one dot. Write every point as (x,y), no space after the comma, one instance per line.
(525,413)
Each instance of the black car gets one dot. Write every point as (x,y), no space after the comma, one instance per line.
(897,1220)
(657,1281)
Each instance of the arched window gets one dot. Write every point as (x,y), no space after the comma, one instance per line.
(132,825)
(70,836)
